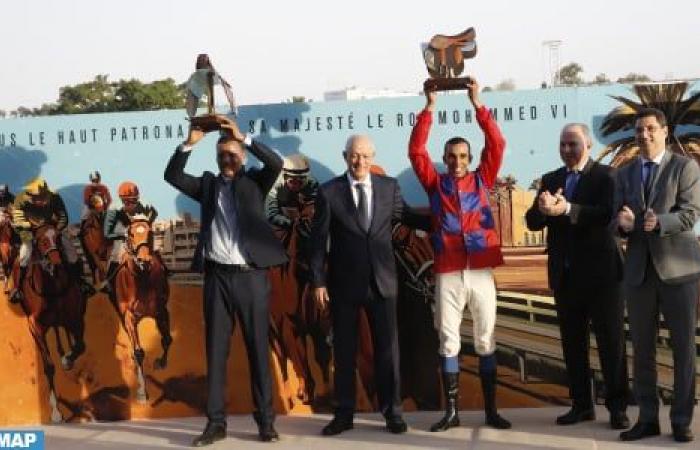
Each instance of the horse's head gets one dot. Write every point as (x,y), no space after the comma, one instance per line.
(415,257)
(139,240)
(97,203)
(47,243)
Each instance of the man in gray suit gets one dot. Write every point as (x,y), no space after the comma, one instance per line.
(658,199)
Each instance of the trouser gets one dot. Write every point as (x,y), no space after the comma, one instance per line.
(229,293)
(678,304)
(117,250)
(455,290)
(381,315)
(579,307)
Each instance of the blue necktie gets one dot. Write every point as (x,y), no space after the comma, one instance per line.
(648,178)
(571,182)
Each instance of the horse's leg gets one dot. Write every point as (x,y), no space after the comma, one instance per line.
(132,322)
(292,334)
(39,335)
(75,329)
(59,343)
(163,324)
(320,339)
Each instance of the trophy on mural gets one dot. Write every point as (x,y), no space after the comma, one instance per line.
(200,84)
(444,57)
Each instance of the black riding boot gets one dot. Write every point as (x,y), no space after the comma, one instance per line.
(450,384)
(488,387)
(17,294)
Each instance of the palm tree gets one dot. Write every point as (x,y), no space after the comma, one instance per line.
(667,97)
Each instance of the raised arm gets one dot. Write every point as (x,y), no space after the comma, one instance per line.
(417,152)
(272,165)
(494,143)
(175,175)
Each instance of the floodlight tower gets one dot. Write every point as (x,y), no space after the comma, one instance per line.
(552,46)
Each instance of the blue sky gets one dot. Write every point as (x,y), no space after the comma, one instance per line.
(273,50)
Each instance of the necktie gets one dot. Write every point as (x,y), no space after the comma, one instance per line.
(362,208)
(649,168)
(570,185)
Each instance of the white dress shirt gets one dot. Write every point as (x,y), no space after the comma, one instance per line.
(367,182)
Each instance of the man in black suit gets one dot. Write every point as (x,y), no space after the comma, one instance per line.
(356,211)
(236,246)
(585,271)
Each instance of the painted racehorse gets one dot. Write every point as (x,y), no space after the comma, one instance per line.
(97,248)
(142,290)
(288,327)
(8,247)
(52,299)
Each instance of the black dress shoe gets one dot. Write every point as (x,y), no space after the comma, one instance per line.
(268,433)
(640,430)
(337,426)
(619,420)
(396,425)
(682,433)
(576,415)
(212,432)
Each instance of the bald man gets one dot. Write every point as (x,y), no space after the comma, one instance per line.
(575,204)
(356,211)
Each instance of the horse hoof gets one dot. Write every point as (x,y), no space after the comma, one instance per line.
(56,417)
(66,363)
(160,364)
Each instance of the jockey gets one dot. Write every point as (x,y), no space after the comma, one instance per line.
(286,200)
(117,222)
(96,196)
(33,208)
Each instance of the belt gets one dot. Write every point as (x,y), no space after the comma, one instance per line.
(230,268)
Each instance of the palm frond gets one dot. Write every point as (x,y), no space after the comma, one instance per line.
(660,93)
(619,119)
(613,147)
(625,154)
(689,113)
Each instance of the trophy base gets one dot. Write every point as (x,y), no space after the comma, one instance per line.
(210,122)
(446,84)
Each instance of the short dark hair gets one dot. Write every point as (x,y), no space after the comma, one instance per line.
(226,138)
(651,112)
(458,140)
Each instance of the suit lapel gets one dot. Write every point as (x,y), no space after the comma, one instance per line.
(583,180)
(376,185)
(559,181)
(635,183)
(659,175)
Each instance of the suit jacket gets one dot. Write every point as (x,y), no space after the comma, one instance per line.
(583,239)
(356,257)
(259,245)
(675,198)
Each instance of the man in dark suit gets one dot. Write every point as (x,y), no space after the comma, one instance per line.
(236,246)
(658,204)
(574,203)
(356,211)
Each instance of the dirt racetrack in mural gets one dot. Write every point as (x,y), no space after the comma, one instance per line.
(102,384)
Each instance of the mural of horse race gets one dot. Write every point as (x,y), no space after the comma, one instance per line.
(105,320)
